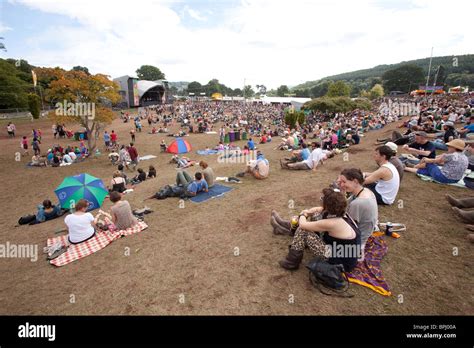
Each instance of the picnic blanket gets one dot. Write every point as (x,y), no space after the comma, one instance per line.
(207,152)
(468,173)
(96,243)
(368,272)
(215,191)
(147,157)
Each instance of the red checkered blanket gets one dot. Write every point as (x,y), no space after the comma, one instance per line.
(96,243)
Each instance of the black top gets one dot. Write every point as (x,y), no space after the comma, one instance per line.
(428,146)
(344,251)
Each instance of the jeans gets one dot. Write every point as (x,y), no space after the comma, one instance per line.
(440,145)
(406,160)
(433,171)
(183,179)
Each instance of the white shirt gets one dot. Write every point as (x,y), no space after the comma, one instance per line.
(314,158)
(72,155)
(79,226)
(67,159)
(388,189)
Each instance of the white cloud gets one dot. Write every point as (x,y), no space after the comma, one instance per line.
(195,14)
(270,42)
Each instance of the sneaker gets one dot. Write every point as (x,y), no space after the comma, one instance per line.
(240,175)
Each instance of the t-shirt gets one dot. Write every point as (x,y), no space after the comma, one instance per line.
(365,212)
(251,145)
(470,127)
(428,146)
(133,153)
(123,213)
(197,186)
(72,155)
(399,165)
(113,136)
(67,159)
(79,226)
(305,153)
(455,164)
(209,176)
(106,137)
(314,158)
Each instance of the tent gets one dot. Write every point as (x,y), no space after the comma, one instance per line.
(179,146)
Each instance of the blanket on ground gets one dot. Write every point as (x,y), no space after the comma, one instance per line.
(460,183)
(215,191)
(96,243)
(368,272)
(207,152)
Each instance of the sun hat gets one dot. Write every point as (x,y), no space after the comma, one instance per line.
(457,144)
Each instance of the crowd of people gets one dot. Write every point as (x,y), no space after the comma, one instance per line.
(349,207)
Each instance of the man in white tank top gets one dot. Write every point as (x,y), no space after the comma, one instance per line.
(385,181)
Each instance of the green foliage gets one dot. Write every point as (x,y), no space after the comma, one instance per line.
(282,90)
(339,89)
(150,73)
(248,91)
(337,104)
(291,118)
(404,78)
(81,68)
(34,105)
(13,90)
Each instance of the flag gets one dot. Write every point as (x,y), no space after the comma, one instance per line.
(34,77)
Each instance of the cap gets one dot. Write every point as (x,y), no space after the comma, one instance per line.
(422,134)
(393,146)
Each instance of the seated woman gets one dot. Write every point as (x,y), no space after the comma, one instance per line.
(121,212)
(454,163)
(141,176)
(118,182)
(47,211)
(80,224)
(342,233)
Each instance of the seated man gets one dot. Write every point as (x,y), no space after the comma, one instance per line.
(259,168)
(421,148)
(385,181)
(316,156)
(454,164)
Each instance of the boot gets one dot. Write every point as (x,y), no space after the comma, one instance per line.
(293,260)
(465,215)
(277,229)
(280,221)
(461,203)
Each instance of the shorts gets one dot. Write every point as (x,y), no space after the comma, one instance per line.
(107,143)
(25,146)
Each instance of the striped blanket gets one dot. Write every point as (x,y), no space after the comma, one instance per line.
(368,272)
(98,242)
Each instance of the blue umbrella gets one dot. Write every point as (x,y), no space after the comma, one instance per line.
(82,186)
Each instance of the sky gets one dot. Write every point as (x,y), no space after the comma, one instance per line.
(269,42)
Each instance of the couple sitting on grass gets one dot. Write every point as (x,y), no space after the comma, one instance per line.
(339,224)
(82,226)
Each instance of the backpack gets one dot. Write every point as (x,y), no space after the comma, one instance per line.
(328,278)
(27,219)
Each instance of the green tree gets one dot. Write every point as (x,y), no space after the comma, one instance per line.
(237,92)
(150,73)
(34,105)
(339,89)
(13,90)
(320,89)
(376,92)
(282,90)
(292,117)
(195,87)
(248,91)
(403,78)
(81,68)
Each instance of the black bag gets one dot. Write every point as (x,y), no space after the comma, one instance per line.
(328,278)
(27,219)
